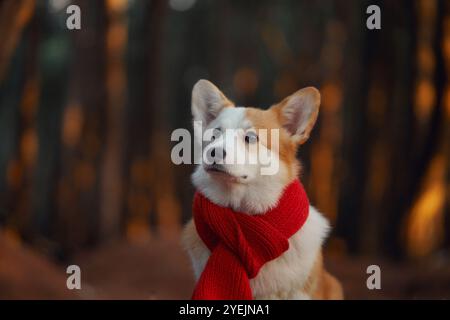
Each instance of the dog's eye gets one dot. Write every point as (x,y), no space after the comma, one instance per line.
(251,137)
(216,133)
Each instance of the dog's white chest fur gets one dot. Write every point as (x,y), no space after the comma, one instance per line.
(284,277)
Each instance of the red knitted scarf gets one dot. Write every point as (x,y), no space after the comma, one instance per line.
(241,244)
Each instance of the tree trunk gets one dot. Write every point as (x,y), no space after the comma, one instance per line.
(14,16)
(83,131)
(112,163)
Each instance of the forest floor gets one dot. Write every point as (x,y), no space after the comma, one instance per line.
(159,269)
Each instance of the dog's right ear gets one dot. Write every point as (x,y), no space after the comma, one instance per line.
(298,113)
(207,102)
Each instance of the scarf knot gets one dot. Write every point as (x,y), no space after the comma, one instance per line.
(241,244)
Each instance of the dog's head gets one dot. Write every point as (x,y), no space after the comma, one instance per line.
(249,146)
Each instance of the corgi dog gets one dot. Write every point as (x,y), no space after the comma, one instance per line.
(298,273)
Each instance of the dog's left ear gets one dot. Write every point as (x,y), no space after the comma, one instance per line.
(298,113)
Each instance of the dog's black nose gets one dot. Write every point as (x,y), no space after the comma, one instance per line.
(218,154)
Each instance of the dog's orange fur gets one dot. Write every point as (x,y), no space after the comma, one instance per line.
(269,119)
(320,284)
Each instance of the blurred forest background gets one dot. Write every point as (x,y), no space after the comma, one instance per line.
(86,117)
